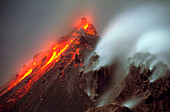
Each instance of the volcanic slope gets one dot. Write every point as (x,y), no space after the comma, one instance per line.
(50,82)
(143,88)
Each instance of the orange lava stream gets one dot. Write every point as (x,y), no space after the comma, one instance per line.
(51,59)
(26,74)
(56,53)
(85,27)
(45,62)
(61,51)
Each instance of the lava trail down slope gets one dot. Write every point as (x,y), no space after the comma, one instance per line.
(67,78)
(50,82)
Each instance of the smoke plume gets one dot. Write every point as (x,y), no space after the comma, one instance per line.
(141,33)
(141,29)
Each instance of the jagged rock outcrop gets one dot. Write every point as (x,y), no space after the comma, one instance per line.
(135,89)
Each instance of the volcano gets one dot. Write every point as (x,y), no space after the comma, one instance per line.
(51,78)
(65,79)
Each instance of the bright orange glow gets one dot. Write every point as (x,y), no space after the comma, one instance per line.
(45,61)
(85,27)
(91,32)
(55,47)
(61,51)
(50,60)
(26,74)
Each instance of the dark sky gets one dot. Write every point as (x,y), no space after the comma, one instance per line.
(29,26)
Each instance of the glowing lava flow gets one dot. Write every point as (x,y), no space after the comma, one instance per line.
(85,27)
(26,74)
(61,52)
(54,63)
(51,59)
(46,60)
(89,31)
(36,70)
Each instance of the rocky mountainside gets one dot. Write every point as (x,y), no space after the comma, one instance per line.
(65,79)
(133,92)
(56,88)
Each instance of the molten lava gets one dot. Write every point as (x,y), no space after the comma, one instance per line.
(26,74)
(51,59)
(47,60)
(69,47)
(85,27)
(52,56)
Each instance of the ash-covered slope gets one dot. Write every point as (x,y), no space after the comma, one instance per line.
(145,87)
(52,85)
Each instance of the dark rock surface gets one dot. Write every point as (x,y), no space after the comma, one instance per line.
(94,82)
(74,84)
(134,90)
(58,89)
(109,108)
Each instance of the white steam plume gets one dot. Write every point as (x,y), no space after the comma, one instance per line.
(128,34)
(142,29)
(132,102)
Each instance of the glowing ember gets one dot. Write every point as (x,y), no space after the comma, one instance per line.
(91,32)
(26,74)
(55,47)
(61,51)
(51,59)
(34,63)
(85,27)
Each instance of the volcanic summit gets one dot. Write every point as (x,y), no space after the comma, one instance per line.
(65,79)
